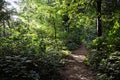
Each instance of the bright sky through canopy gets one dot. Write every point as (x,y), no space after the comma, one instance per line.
(12,4)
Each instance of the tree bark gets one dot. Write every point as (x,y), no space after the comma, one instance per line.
(99,22)
(4,31)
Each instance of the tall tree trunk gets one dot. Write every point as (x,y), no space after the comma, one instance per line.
(55,30)
(4,31)
(99,22)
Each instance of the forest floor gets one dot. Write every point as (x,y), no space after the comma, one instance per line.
(75,68)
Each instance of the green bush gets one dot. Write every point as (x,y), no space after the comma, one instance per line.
(105,59)
(16,62)
(100,49)
(105,55)
(27,68)
(73,38)
(111,66)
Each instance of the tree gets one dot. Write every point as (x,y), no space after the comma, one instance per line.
(4,17)
(99,22)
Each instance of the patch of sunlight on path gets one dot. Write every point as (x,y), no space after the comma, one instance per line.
(78,58)
(75,69)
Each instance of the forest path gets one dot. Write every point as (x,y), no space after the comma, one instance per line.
(75,69)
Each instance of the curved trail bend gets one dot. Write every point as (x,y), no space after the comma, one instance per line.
(75,69)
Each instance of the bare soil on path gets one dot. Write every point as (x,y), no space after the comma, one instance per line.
(75,69)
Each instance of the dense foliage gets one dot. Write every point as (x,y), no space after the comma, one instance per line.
(34,39)
(27,68)
(104,55)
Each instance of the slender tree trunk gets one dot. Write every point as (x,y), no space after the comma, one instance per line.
(99,22)
(55,30)
(4,31)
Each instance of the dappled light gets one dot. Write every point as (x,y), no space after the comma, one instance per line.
(59,39)
(78,58)
(75,69)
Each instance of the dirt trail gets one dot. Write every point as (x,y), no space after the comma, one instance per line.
(75,69)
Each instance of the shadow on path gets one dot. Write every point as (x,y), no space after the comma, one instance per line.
(75,69)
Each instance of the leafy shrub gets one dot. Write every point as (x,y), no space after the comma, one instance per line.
(111,66)
(106,62)
(73,38)
(99,50)
(106,54)
(15,66)
(27,68)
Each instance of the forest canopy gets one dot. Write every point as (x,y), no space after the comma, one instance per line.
(40,33)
